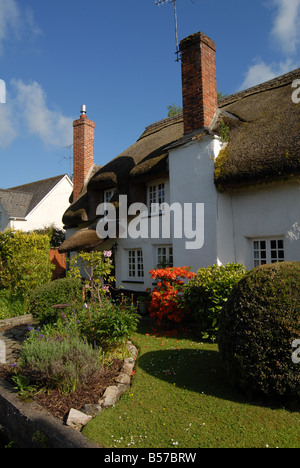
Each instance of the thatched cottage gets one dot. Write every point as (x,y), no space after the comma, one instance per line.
(232,167)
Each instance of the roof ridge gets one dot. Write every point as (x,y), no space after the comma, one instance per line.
(161,123)
(277,82)
(11,189)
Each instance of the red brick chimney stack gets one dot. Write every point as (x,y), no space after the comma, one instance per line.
(199,81)
(83,151)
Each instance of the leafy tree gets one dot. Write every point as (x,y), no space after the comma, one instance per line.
(173,110)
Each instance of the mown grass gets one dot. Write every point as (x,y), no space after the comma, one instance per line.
(181,398)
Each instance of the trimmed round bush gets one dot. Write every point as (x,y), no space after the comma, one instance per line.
(257,328)
(60,291)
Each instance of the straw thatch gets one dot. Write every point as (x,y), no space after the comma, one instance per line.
(264,145)
(146,157)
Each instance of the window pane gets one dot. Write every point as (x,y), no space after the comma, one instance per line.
(280,244)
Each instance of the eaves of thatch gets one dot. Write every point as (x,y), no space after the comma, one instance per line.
(264,135)
(147,158)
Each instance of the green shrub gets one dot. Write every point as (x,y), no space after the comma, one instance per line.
(11,305)
(60,291)
(258,325)
(108,324)
(24,261)
(58,363)
(206,294)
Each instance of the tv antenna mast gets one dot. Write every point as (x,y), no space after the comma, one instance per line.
(70,159)
(161,2)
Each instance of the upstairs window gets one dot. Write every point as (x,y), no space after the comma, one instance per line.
(156,197)
(107,195)
(267,251)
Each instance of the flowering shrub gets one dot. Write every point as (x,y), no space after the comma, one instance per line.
(97,267)
(167,297)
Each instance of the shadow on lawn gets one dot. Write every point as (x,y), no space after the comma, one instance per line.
(195,370)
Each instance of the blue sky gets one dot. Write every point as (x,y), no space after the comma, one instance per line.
(118,58)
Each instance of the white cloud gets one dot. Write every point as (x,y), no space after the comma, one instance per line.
(286,29)
(285,32)
(15,22)
(27,111)
(51,126)
(261,71)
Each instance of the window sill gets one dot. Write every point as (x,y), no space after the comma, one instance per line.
(133,281)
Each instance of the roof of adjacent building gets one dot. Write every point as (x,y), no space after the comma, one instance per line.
(21,200)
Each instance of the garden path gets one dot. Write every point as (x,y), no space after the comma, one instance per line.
(12,334)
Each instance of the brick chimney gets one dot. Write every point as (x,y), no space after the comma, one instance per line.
(83,151)
(199,81)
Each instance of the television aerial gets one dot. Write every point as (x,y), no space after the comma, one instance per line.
(161,2)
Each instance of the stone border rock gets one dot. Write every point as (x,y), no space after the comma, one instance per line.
(77,419)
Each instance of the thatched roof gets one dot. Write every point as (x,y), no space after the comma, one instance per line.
(264,137)
(85,239)
(146,157)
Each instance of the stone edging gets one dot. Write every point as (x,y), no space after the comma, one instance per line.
(77,419)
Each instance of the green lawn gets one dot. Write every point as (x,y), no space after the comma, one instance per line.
(181,398)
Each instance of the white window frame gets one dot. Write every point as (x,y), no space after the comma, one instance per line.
(135,264)
(267,250)
(156,195)
(164,255)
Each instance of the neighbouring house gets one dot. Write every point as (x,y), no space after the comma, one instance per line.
(230,168)
(37,205)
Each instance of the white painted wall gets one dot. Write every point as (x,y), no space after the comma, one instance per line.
(191,176)
(50,211)
(192,181)
(266,211)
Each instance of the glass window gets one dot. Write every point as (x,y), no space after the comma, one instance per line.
(135,264)
(267,251)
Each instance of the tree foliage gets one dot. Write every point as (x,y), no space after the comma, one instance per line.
(24,261)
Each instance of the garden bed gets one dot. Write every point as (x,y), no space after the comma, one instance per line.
(59,404)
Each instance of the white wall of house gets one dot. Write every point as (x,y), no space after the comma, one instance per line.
(266,212)
(191,169)
(50,210)
(191,175)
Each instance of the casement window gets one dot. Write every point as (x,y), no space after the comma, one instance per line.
(107,195)
(267,251)
(156,197)
(135,264)
(164,256)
